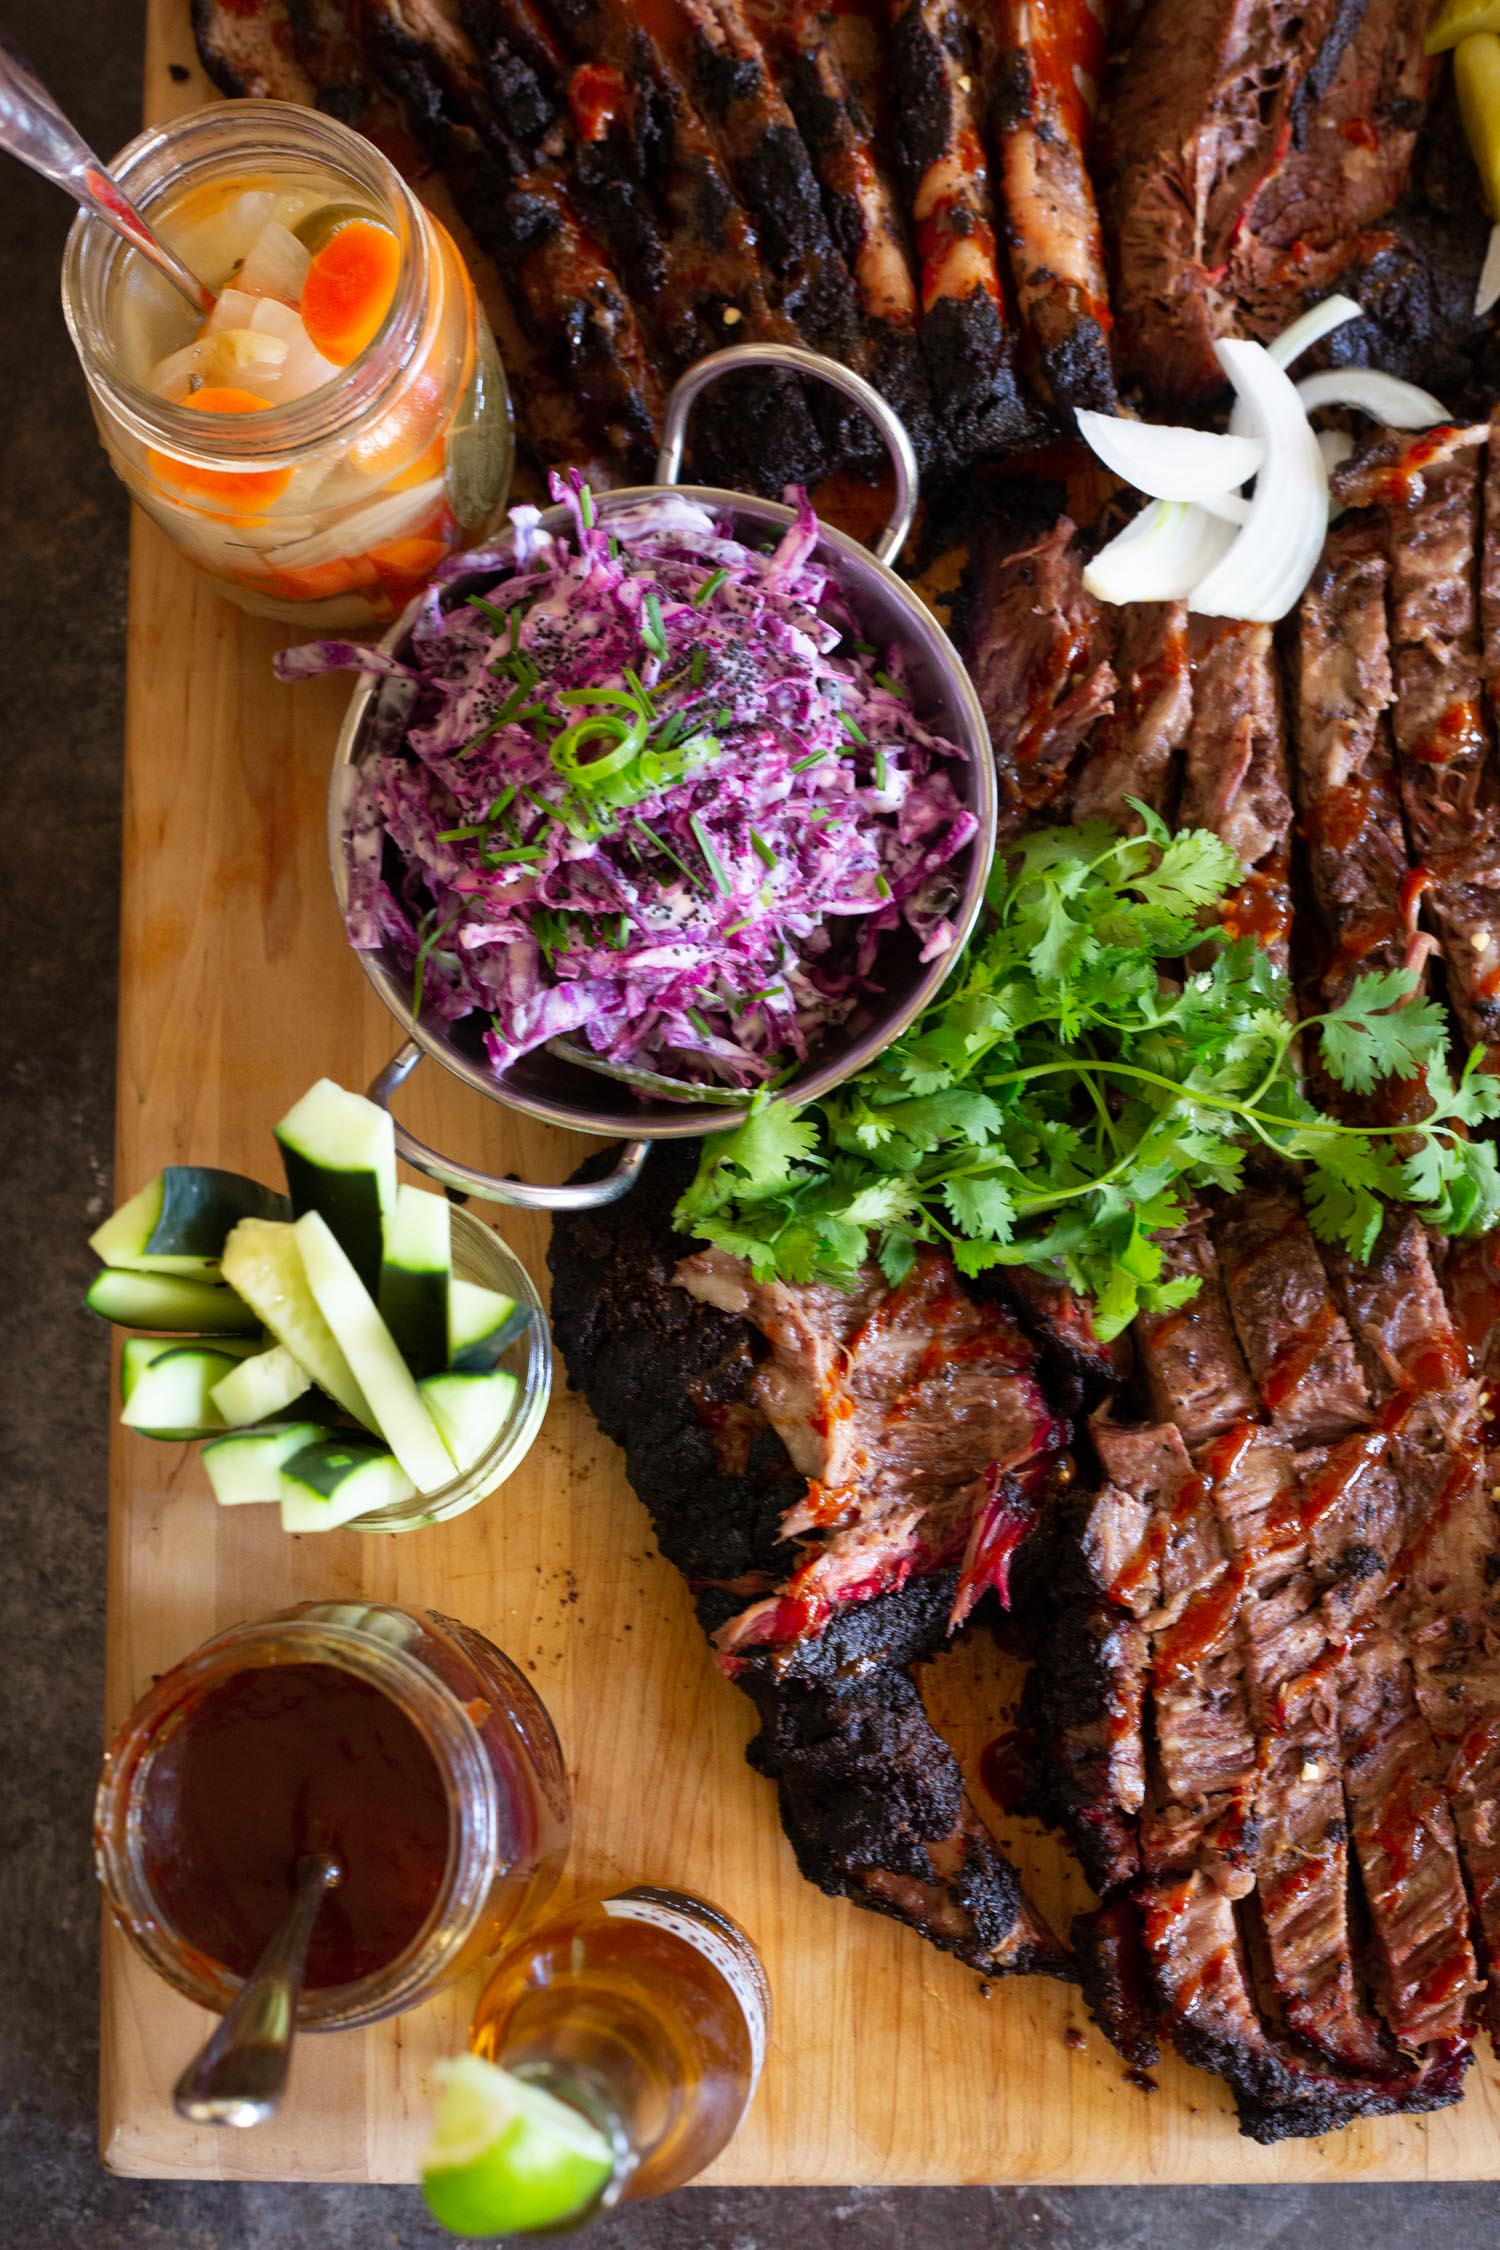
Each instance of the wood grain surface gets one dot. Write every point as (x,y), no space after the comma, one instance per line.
(888,2063)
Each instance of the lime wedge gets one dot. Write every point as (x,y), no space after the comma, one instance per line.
(506,2157)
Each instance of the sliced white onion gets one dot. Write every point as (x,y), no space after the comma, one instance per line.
(388,518)
(214,246)
(235,309)
(1274,555)
(233,355)
(1229,507)
(304,369)
(1489,276)
(1311,327)
(1161,556)
(1400,406)
(1170,462)
(276,266)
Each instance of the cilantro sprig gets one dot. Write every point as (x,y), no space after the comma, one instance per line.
(1100,1058)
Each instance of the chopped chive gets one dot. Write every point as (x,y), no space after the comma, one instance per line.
(709,588)
(882,887)
(456,835)
(586,507)
(497,617)
(852,728)
(735,928)
(864,648)
(424,953)
(500,718)
(892,687)
(696,668)
(654,632)
(882,772)
(640,690)
(664,847)
(812,759)
(617,936)
(711,859)
(518,852)
(614,548)
(723,718)
(763,851)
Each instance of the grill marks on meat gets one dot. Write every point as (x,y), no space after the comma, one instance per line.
(913,1413)
(967,340)
(1251,145)
(872,1800)
(1039,653)
(1041,68)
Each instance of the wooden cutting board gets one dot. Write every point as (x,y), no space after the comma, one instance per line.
(888,2062)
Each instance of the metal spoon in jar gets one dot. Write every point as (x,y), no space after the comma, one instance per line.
(33,128)
(239,2076)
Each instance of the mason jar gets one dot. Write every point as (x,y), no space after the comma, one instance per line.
(326,510)
(479,1254)
(499,1776)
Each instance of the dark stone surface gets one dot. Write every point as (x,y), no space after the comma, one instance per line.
(62,610)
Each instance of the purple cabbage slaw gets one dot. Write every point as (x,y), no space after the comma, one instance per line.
(722,919)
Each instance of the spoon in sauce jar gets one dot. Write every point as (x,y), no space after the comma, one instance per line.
(240,2075)
(34,129)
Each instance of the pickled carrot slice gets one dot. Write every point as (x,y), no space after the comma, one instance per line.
(349,289)
(346,576)
(230,492)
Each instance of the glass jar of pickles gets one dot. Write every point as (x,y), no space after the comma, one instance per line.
(339,423)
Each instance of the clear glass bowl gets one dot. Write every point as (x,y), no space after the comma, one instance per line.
(480,1255)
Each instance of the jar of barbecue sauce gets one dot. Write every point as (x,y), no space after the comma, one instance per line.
(339,423)
(400,1741)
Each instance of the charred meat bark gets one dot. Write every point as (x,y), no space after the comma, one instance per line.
(569,296)
(873,1801)
(967,339)
(1041,69)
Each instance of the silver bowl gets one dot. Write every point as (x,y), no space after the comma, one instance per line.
(545,1084)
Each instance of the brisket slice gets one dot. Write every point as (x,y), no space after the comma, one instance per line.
(698,267)
(1038,67)
(1298,1346)
(1428,488)
(251,52)
(967,340)
(1252,146)
(1195,1373)
(1235,777)
(1038,648)
(1347,796)
(859,197)
(872,1799)
(1133,750)
(567,294)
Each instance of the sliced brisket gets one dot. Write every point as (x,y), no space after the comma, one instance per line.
(1194,1370)
(1133,750)
(1039,654)
(1235,777)
(1298,1346)
(1041,68)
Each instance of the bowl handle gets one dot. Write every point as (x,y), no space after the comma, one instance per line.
(791,356)
(489,1186)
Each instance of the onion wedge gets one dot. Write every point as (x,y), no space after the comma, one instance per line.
(1274,555)
(1160,556)
(1385,398)
(1168,462)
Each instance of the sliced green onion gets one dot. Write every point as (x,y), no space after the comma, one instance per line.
(882,772)
(735,928)
(709,588)
(892,687)
(424,953)
(882,887)
(653,631)
(586,508)
(698,1023)
(763,851)
(852,728)
(499,618)
(588,775)
(697,666)
(711,859)
(813,758)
